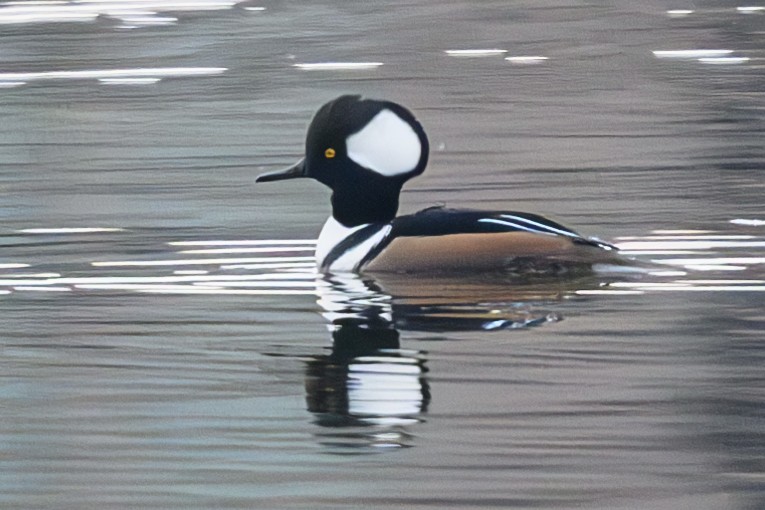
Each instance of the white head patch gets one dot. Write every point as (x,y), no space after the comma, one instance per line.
(387,145)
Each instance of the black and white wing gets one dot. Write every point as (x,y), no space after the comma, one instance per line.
(444,239)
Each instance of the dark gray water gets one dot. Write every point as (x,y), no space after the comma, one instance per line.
(165,343)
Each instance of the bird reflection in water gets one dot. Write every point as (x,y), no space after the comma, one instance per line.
(367,386)
(367,391)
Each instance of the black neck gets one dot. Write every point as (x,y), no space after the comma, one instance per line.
(362,205)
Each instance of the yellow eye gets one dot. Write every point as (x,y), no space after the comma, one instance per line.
(329,153)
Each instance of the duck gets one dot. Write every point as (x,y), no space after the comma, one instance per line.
(365,150)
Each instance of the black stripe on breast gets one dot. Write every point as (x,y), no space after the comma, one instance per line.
(350,242)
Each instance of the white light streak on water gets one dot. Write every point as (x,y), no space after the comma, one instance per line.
(129,81)
(715,261)
(475,53)
(144,280)
(680,231)
(656,252)
(187,289)
(269,284)
(705,253)
(13,266)
(679,13)
(137,11)
(714,267)
(638,285)
(691,54)
(31,275)
(189,262)
(250,250)
(13,16)
(723,282)
(724,60)
(243,242)
(68,230)
(606,292)
(748,222)
(702,288)
(43,289)
(149,19)
(100,74)
(290,265)
(686,237)
(303,282)
(527,60)
(688,245)
(668,273)
(750,9)
(338,66)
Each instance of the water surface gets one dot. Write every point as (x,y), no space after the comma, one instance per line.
(165,340)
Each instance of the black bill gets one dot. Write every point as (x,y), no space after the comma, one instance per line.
(293,172)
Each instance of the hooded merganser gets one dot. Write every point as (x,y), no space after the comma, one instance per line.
(365,150)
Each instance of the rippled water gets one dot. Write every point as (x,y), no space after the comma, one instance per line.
(167,344)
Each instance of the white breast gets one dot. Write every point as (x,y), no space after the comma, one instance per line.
(334,233)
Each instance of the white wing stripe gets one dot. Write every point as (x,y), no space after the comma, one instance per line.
(514,225)
(541,225)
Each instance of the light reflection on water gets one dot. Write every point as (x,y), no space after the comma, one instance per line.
(130,13)
(664,260)
(372,377)
(369,386)
(140,76)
